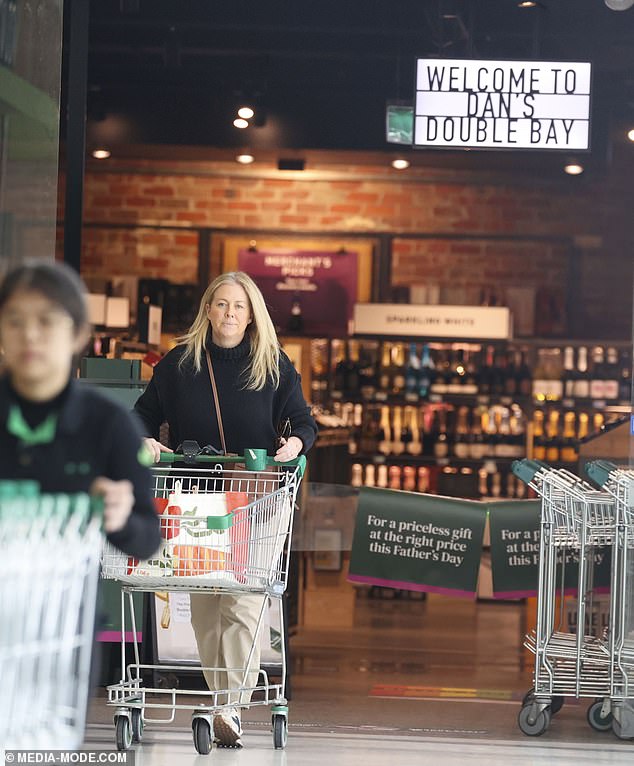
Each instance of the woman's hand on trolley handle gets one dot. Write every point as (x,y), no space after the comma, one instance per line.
(155,448)
(118,500)
(289,450)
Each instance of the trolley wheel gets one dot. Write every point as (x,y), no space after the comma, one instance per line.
(123,730)
(202,736)
(280,731)
(556,704)
(533,728)
(137,725)
(596,720)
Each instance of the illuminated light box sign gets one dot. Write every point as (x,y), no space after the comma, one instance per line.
(502,104)
(399,319)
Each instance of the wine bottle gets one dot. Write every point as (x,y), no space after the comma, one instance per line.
(339,364)
(370,431)
(524,377)
(409,478)
(570,372)
(477,446)
(398,447)
(569,453)
(504,446)
(414,446)
(406,430)
(370,477)
(510,381)
(385,432)
(441,374)
(318,370)
(483,484)
(352,381)
(385,373)
(496,484)
(611,379)
(357,475)
(487,372)
(547,382)
(394,477)
(597,378)
(598,421)
(539,438)
(423,479)
(413,371)
(584,426)
(426,373)
(625,378)
(461,440)
(518,432)
(582,378)
(355,429)
(398,368)
(368,368)
(382,476)
(498,374)
(510,485)
(552,437)
(441,445)
(470,384)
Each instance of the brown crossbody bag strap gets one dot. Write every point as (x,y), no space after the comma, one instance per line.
(216,403)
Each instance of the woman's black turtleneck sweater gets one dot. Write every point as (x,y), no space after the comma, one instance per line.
(183,398)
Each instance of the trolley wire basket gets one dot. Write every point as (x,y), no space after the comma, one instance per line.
(48,583)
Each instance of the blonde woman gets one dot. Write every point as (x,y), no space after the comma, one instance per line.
(259,392)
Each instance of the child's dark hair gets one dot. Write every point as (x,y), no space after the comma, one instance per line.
(55,281)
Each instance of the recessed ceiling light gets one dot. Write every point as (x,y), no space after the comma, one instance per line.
(240,123)
(400,164)
(573,169)
(245,159)
(101,154)
(630,134)
(527,4)
(245,112)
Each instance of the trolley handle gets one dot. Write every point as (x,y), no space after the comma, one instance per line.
(600,471)
(253,459)
(526,469)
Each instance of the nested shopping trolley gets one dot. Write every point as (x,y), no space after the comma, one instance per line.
(49,571)
(226,530)
(619,483)
(577,521)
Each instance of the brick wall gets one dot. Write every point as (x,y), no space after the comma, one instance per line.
(536,221)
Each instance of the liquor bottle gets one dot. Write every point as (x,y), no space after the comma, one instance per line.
(625,378)
(441,445)
(409,478)
(398,368)
(582,378)
(295,324)
(414,446)
(547,383)
(423,479)
(426,373)
(461,440)
(477,446)
(394,477)
(339,366)
(385,433)
(510,382)
(539,438)
(357,475)
(611,379)
(552,437)
(523,376)
(570,372)
(370,478)
(413,370)
(569,452)
(398,447)
(597,377)
(382,476)
(385,373)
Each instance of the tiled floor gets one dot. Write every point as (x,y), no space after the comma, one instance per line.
(412,682)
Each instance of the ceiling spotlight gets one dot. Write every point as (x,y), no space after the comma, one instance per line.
(240,123)
(619,5)
(245,159)
(573,168)
(245,112)
(400,164)
(630,134)
(527,4)
(101,154)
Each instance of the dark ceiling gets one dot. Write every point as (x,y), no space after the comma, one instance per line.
(174,71)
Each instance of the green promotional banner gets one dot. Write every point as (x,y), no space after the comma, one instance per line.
(417,542)
(515,538)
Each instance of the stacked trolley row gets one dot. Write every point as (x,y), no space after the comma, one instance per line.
(49,571)
(576,520)
(244,551)
(619,484)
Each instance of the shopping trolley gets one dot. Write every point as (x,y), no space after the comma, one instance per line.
(619,483)
(576,520)
(243,551)
(49,569)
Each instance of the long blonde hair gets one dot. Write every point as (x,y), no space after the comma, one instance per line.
(264,356)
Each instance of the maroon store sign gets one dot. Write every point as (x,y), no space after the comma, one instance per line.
(321,284)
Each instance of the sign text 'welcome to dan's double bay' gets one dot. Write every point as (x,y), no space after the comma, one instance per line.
(502,104)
